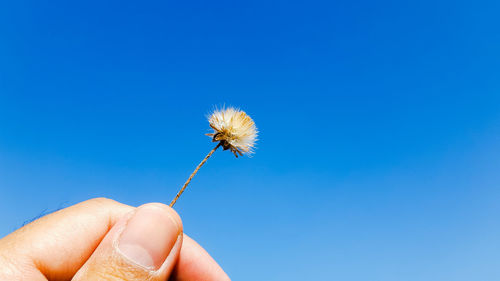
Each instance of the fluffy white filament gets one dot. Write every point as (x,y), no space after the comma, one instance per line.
(235,129)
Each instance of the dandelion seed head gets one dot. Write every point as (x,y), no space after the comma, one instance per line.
(234,129)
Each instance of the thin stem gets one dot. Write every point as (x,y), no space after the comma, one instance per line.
(194,173)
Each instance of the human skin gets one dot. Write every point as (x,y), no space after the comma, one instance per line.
(101,239)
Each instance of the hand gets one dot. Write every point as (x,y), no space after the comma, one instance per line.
(102,239)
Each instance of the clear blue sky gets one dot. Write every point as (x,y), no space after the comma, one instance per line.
(379,154)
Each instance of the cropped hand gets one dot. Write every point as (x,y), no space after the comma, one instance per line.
(101,239)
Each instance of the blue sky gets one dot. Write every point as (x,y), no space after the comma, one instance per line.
(379,151)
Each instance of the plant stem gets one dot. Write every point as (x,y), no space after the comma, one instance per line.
(194,173)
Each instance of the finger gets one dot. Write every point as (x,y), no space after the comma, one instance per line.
(196,264)
(57,245)
(144,245)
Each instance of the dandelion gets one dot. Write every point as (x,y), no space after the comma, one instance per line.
(234,130)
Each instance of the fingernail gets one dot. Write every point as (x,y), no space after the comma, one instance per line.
(148,237)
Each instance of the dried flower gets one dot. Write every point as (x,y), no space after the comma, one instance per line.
(233,130)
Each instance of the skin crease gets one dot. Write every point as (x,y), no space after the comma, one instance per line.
(80,239)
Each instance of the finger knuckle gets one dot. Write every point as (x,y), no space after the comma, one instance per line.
(117,270)
(101,201)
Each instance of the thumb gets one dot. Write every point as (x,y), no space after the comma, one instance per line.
(143,245)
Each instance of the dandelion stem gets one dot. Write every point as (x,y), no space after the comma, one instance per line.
(194,173)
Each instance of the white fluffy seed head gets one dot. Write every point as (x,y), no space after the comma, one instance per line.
(234,129)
